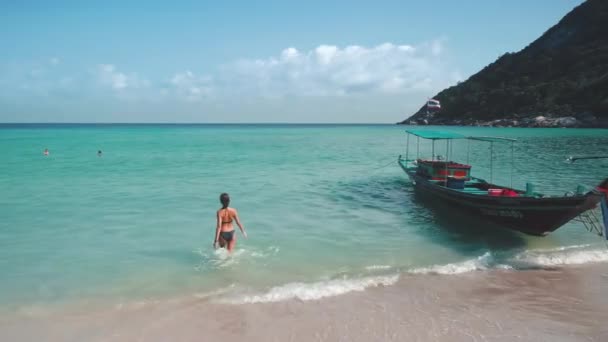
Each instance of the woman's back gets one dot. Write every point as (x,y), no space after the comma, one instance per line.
(227,216)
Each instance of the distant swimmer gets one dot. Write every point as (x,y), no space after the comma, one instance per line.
(46,151)
(99,153)
(225,232)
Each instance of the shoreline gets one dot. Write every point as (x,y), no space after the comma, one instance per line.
(540,121)
(560,304)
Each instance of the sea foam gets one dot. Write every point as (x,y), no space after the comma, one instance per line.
(314,291)
(558,257)
(482,262)
(377,267)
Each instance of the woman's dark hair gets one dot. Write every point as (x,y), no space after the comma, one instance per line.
(225,199)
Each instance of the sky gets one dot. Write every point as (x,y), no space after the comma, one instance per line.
(250,62)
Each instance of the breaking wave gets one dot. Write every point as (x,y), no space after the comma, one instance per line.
(540,258)
(560,257)
(482,262)
(318,290)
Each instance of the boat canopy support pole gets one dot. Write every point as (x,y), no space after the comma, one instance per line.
(433,151)
(491,161)
(512,162)
(451,148)
(417,148)
(407,148)
(468,151)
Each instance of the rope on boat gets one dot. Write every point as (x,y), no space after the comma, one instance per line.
(383,166)
(392,161)
(572,159)
(593,222)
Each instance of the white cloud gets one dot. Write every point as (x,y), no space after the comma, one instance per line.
(289,54)
(325,53)
(191,87)
(323,71)
(332,70)
(108,75)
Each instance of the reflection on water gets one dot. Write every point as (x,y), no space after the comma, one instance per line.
(466,232)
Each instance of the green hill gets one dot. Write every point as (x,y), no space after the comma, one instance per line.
(560,79)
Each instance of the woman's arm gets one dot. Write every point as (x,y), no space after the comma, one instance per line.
(217,229)
(238,223)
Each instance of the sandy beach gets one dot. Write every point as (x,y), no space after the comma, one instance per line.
(565,304)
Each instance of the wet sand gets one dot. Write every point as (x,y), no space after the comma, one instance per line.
(565,304)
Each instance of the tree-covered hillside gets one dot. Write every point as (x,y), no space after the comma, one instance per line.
(561,79)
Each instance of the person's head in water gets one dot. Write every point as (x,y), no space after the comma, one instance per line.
(225,200)
(99,153)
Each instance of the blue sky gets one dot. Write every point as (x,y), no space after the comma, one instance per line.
(270,61)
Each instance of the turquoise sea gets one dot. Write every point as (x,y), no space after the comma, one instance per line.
(326,207)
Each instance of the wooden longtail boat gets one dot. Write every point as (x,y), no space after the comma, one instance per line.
(522,210)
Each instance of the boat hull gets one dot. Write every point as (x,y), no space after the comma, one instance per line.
(529,215)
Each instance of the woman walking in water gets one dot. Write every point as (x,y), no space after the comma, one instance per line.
(224,233)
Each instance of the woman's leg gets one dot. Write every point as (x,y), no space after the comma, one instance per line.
(231,244)
(222,242)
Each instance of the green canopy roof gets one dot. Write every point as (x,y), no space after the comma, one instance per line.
(492,139)
(437,135)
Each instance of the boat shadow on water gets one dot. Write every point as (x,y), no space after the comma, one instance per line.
(432,220)
(452,228)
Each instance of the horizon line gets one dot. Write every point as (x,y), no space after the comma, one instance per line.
(196,123)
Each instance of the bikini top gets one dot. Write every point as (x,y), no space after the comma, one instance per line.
(226,218)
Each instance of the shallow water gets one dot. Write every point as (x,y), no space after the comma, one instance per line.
(325,206)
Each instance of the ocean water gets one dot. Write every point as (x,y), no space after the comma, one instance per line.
(326,208)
